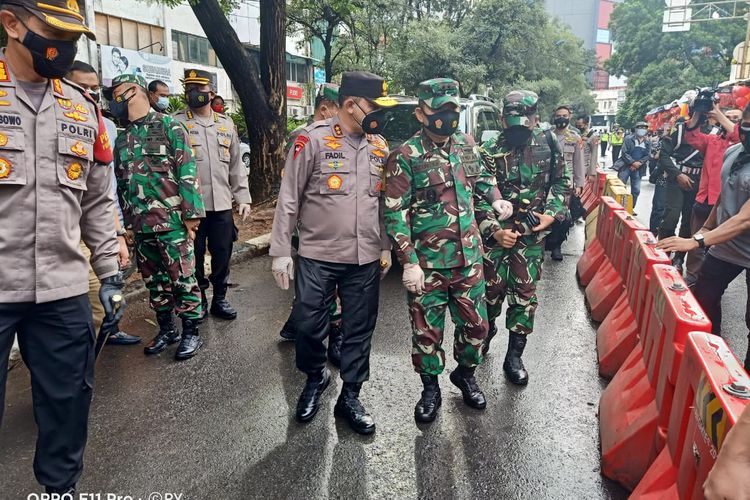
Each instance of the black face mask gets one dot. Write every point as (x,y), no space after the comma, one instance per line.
(517,136)
(119,106)
(51,58)
(94,95)
(561,122)
(374,121)
(443,123)
(197,99)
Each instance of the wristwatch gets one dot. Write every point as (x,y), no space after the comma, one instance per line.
(121,232)
(699,238)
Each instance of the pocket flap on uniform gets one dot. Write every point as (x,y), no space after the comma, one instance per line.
(13,140)
(75,147)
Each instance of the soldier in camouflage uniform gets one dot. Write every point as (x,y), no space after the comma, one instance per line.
(532,175)
(572,147)
(162,204)
(433,182)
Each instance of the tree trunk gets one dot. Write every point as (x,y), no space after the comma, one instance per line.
(262,91)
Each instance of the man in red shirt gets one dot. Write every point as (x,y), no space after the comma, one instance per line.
(712,146)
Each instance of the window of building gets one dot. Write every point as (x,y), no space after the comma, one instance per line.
(602,36)
(118,32)
(296,72)
(193,49)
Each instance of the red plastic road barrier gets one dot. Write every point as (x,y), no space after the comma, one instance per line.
(618,333)
(608,284)
(594,255)
(712,392)
(639,397)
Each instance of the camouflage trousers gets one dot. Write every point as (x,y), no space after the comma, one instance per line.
(167,263)
(512,274)
(462,291)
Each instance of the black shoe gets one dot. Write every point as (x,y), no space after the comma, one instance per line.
(429,404)
(349,407)
(204,306)
(463,378)
(219,305)
(309,401)
(513,366)
(167,335)
(287,334)
(191,340)
(122,338)
(335,339)
(69,492)
(556,254)
(490,335)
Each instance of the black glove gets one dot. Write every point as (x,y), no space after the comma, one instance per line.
(532,220)
(110,295)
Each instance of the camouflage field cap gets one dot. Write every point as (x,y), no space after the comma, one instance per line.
(437,92)
(329,92)
(518,106)
(125,78)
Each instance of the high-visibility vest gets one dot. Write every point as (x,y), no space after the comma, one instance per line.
(616,141)
(604,137)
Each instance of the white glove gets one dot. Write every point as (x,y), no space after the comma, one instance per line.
(283,271)
(244,210)
(413,278)
(503,208)
(385,263)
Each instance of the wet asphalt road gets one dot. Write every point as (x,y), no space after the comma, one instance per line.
(221,425)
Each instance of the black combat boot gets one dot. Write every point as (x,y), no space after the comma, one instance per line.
(490,335)
(204,306)
(335,339)
(167,335)
(513,365)
(557,254)
(463,378)
(219,305)
(349,407)
(191,340)
(429,404)
(288,331)
(309,401)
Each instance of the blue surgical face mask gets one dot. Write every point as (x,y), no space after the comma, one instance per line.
(162,103)
(641,132)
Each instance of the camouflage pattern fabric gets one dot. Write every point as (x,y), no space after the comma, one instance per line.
(522,174)
(156,175)
(513,273)
(430,201)
(167,262)
(438,92)
(462,290)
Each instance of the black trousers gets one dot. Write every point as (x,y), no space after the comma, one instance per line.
(678,207)
(603,146)
(616,152)
(57,345)
(713,279)
(558,234)
(218,230)
(359,290)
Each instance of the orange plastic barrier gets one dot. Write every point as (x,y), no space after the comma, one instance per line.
(591,202)
(712,392)
(608,284)
(639,398)
(594,255)
(618,333)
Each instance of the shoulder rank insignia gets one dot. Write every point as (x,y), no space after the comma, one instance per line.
(334,145)
(57,87)
(338,131)
(299,145)
(74,171)
(6,168)
(4,76)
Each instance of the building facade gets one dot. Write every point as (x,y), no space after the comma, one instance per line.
(159,42)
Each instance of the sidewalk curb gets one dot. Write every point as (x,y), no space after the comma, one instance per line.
(250,249)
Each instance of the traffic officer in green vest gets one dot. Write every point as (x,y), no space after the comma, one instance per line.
(55,190)
(572,148)
(223,179)
(533,176)
(434,183)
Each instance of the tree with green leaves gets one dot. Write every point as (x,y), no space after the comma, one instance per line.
(660,67)
(261,87)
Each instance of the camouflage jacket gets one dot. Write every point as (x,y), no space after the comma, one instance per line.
(156,175)
(431,197)
(526,174)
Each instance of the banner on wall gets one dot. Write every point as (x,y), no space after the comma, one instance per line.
(117,61)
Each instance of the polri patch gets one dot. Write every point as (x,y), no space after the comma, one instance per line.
(338,131)
(334,182)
